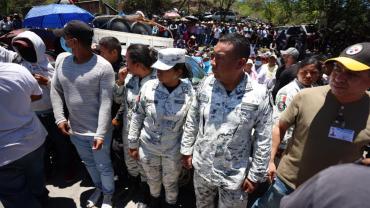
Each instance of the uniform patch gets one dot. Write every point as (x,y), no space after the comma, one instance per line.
(355,49)
(185,89)
(203,98)
(281,105)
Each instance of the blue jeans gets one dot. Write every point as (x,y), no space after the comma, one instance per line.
(22,181)
(274,194)
(97,162)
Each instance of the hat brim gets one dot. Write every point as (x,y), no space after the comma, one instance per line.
(162,66)
(59,32)
(283,52)
(349,63)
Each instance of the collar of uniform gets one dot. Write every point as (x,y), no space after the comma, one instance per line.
(180,89)
(243,86)
(300,85)
(148,77)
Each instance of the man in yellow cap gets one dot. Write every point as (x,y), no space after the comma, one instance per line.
(332,124)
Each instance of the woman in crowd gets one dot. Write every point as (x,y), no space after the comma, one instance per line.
(309,72)
(139,59)
(157,125)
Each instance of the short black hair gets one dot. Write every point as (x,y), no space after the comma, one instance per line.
(79,30)
(140,53)
(111,43)
(240,43)
(311,60)
(186,73)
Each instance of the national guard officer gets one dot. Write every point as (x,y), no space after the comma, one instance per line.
(217,137)
(309,71)
(157,124)
(139,59)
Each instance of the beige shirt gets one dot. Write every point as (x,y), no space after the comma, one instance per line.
(310,150)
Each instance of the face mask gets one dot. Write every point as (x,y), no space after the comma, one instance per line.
(64,45)
(258,63)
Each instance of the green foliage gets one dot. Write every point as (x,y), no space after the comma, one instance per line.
(19,6)
(341,22)
(147,6)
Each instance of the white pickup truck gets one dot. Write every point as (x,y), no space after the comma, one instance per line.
(156,42)
(127,39)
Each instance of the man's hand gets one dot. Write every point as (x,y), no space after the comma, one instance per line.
(42,80)
(249,186)
(134,153)
(271,171)
(98,143)
(116,122)
(186,161)
(64,128)
(122,74)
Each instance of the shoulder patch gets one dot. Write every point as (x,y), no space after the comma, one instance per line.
(280,102)
(281,105)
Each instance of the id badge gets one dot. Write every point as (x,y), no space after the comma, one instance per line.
(341,134)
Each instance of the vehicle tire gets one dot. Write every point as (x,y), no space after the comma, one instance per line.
(101,22)
(118,25)
(140,28)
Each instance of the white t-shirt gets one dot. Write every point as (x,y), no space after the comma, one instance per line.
(21,132)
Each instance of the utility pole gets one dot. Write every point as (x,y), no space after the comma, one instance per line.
(100,6)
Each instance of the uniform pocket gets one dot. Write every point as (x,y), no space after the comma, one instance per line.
(247,111)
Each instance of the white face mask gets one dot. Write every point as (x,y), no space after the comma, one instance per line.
(258,63)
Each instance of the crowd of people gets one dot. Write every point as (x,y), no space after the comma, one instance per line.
(259,117)
(10,22)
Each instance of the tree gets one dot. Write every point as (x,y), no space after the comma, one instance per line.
(340,22)
(147,6)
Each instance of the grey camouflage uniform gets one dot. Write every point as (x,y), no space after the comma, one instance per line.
(156,129)
(126,95)
(218,134)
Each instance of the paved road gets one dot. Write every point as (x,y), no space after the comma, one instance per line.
(75,194)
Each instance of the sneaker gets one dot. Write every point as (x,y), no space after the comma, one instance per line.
(94,198)
(107,201)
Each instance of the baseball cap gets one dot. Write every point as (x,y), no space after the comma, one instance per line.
(290,51)
(76,29)
(355,57)
(168,58)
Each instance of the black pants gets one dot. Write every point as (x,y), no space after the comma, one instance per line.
(22,181)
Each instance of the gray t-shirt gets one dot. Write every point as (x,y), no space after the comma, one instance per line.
(87,90)
(21,132)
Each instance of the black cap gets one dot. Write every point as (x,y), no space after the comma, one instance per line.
(76,29)
(355,57)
